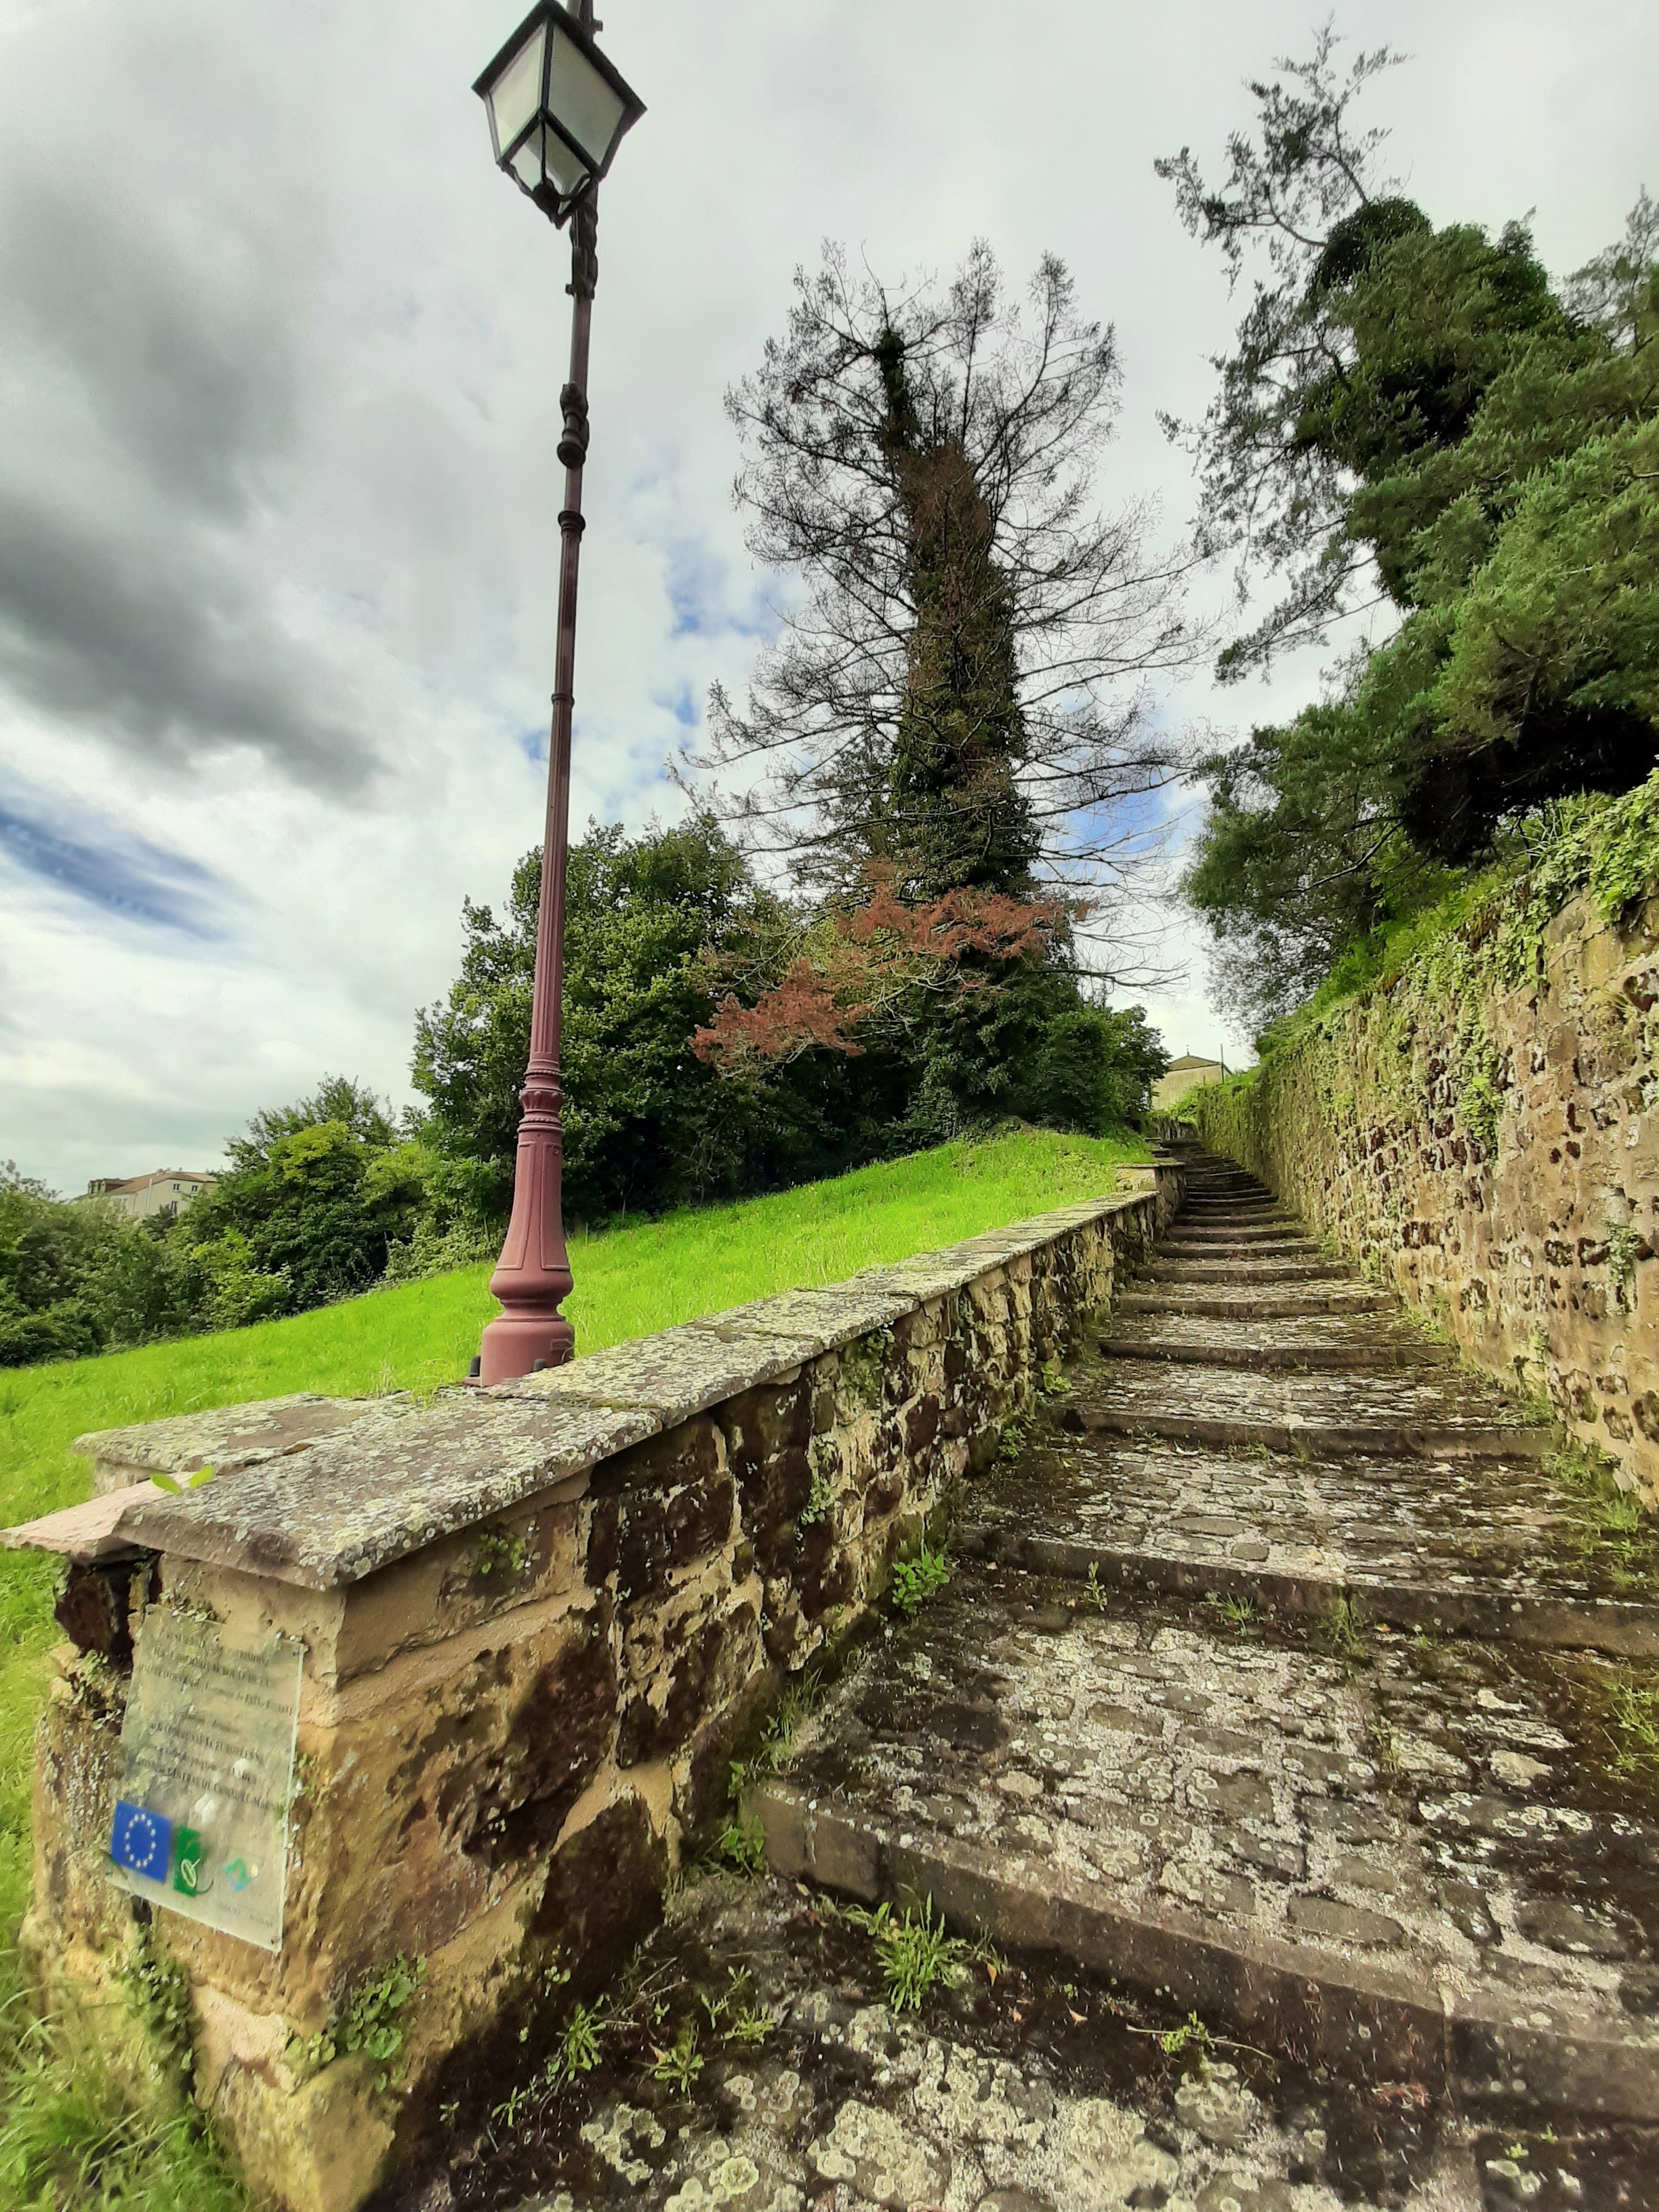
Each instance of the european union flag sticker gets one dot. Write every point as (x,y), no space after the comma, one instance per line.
(141,1841)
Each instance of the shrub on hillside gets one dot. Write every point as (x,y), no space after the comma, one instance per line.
(317,1196)
(77,1278)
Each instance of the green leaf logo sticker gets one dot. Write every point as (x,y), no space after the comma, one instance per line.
(190,1875)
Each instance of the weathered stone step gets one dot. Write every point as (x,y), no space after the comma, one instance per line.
(1338,1342)
(1229,1230)
(1241,1270)
(1223,1305)
(1287,1244)
(1385,1413)
(1421,1871)
(1465,1547)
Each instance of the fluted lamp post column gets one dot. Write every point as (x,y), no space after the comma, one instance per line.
(557,111)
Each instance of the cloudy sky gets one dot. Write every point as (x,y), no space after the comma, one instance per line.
(279,359)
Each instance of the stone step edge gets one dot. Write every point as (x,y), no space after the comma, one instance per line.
(1311,2006)
(1622,1629)
(1214,1248)
(1385,1440)
(1245,1306)
(1236,1232)
(1332,1358)
(1159,1270)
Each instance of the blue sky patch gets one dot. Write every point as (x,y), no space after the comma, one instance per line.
(99,863)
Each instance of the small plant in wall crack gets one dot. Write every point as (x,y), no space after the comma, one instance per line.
(918,1578)
(1633,1715)
(820,1499)
(158,1990)
(678,2065)
(498,1553)
(370,2020)
(1624,1248)
(742,1846)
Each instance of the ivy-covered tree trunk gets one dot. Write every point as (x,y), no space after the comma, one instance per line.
(956,817)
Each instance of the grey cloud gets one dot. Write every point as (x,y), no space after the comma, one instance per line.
(152,642)
(157,329)
(172,335)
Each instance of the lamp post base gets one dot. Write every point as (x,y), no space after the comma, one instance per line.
(518,1343)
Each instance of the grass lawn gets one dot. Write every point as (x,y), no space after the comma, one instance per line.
(629,1281)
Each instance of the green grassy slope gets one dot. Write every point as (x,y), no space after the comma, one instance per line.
(629,1282)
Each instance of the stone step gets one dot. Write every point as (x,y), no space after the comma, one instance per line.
(1230,1229)
(1346,1343)
(1419,1871)
(1388,1413)
(1247,1271)
(1286,1245)
(1223,1305)
(1465,1547)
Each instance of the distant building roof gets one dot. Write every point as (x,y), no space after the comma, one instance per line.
(1195,1060)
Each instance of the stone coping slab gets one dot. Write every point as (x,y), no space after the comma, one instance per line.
(86,1531)
(228,1437)
(322,1491)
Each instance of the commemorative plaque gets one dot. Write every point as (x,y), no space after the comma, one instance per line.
(207,1774)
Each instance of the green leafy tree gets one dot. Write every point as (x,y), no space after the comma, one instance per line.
(1415,417)
(656,927)
(317,1196)
(79,1276)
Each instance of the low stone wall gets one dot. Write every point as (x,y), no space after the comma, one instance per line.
(1490,1148)
(537,1622)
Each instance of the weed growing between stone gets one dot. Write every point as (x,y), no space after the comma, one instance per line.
(1633,1727)
(1609,1520)
(743,1844)
(1342,1630)
(916,1579)
(369,2022)
(916,1954)
(679,2063)
(774,1745)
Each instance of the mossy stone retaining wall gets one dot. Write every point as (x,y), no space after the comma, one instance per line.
(538,1623)
(1479,1129)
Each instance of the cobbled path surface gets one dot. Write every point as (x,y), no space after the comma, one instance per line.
(1283,1756)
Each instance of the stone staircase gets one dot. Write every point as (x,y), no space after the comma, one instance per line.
(1277,1680)
(1300,1735)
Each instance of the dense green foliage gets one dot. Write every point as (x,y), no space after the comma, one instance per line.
(1418,414)
(73,1278)
(319,1199)
(656,926)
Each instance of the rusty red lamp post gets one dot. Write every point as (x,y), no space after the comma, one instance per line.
(557,112)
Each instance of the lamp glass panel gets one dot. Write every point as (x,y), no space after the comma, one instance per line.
(586,105)
(566,170)
(516,94)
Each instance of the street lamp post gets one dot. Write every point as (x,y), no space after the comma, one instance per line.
(557,111)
